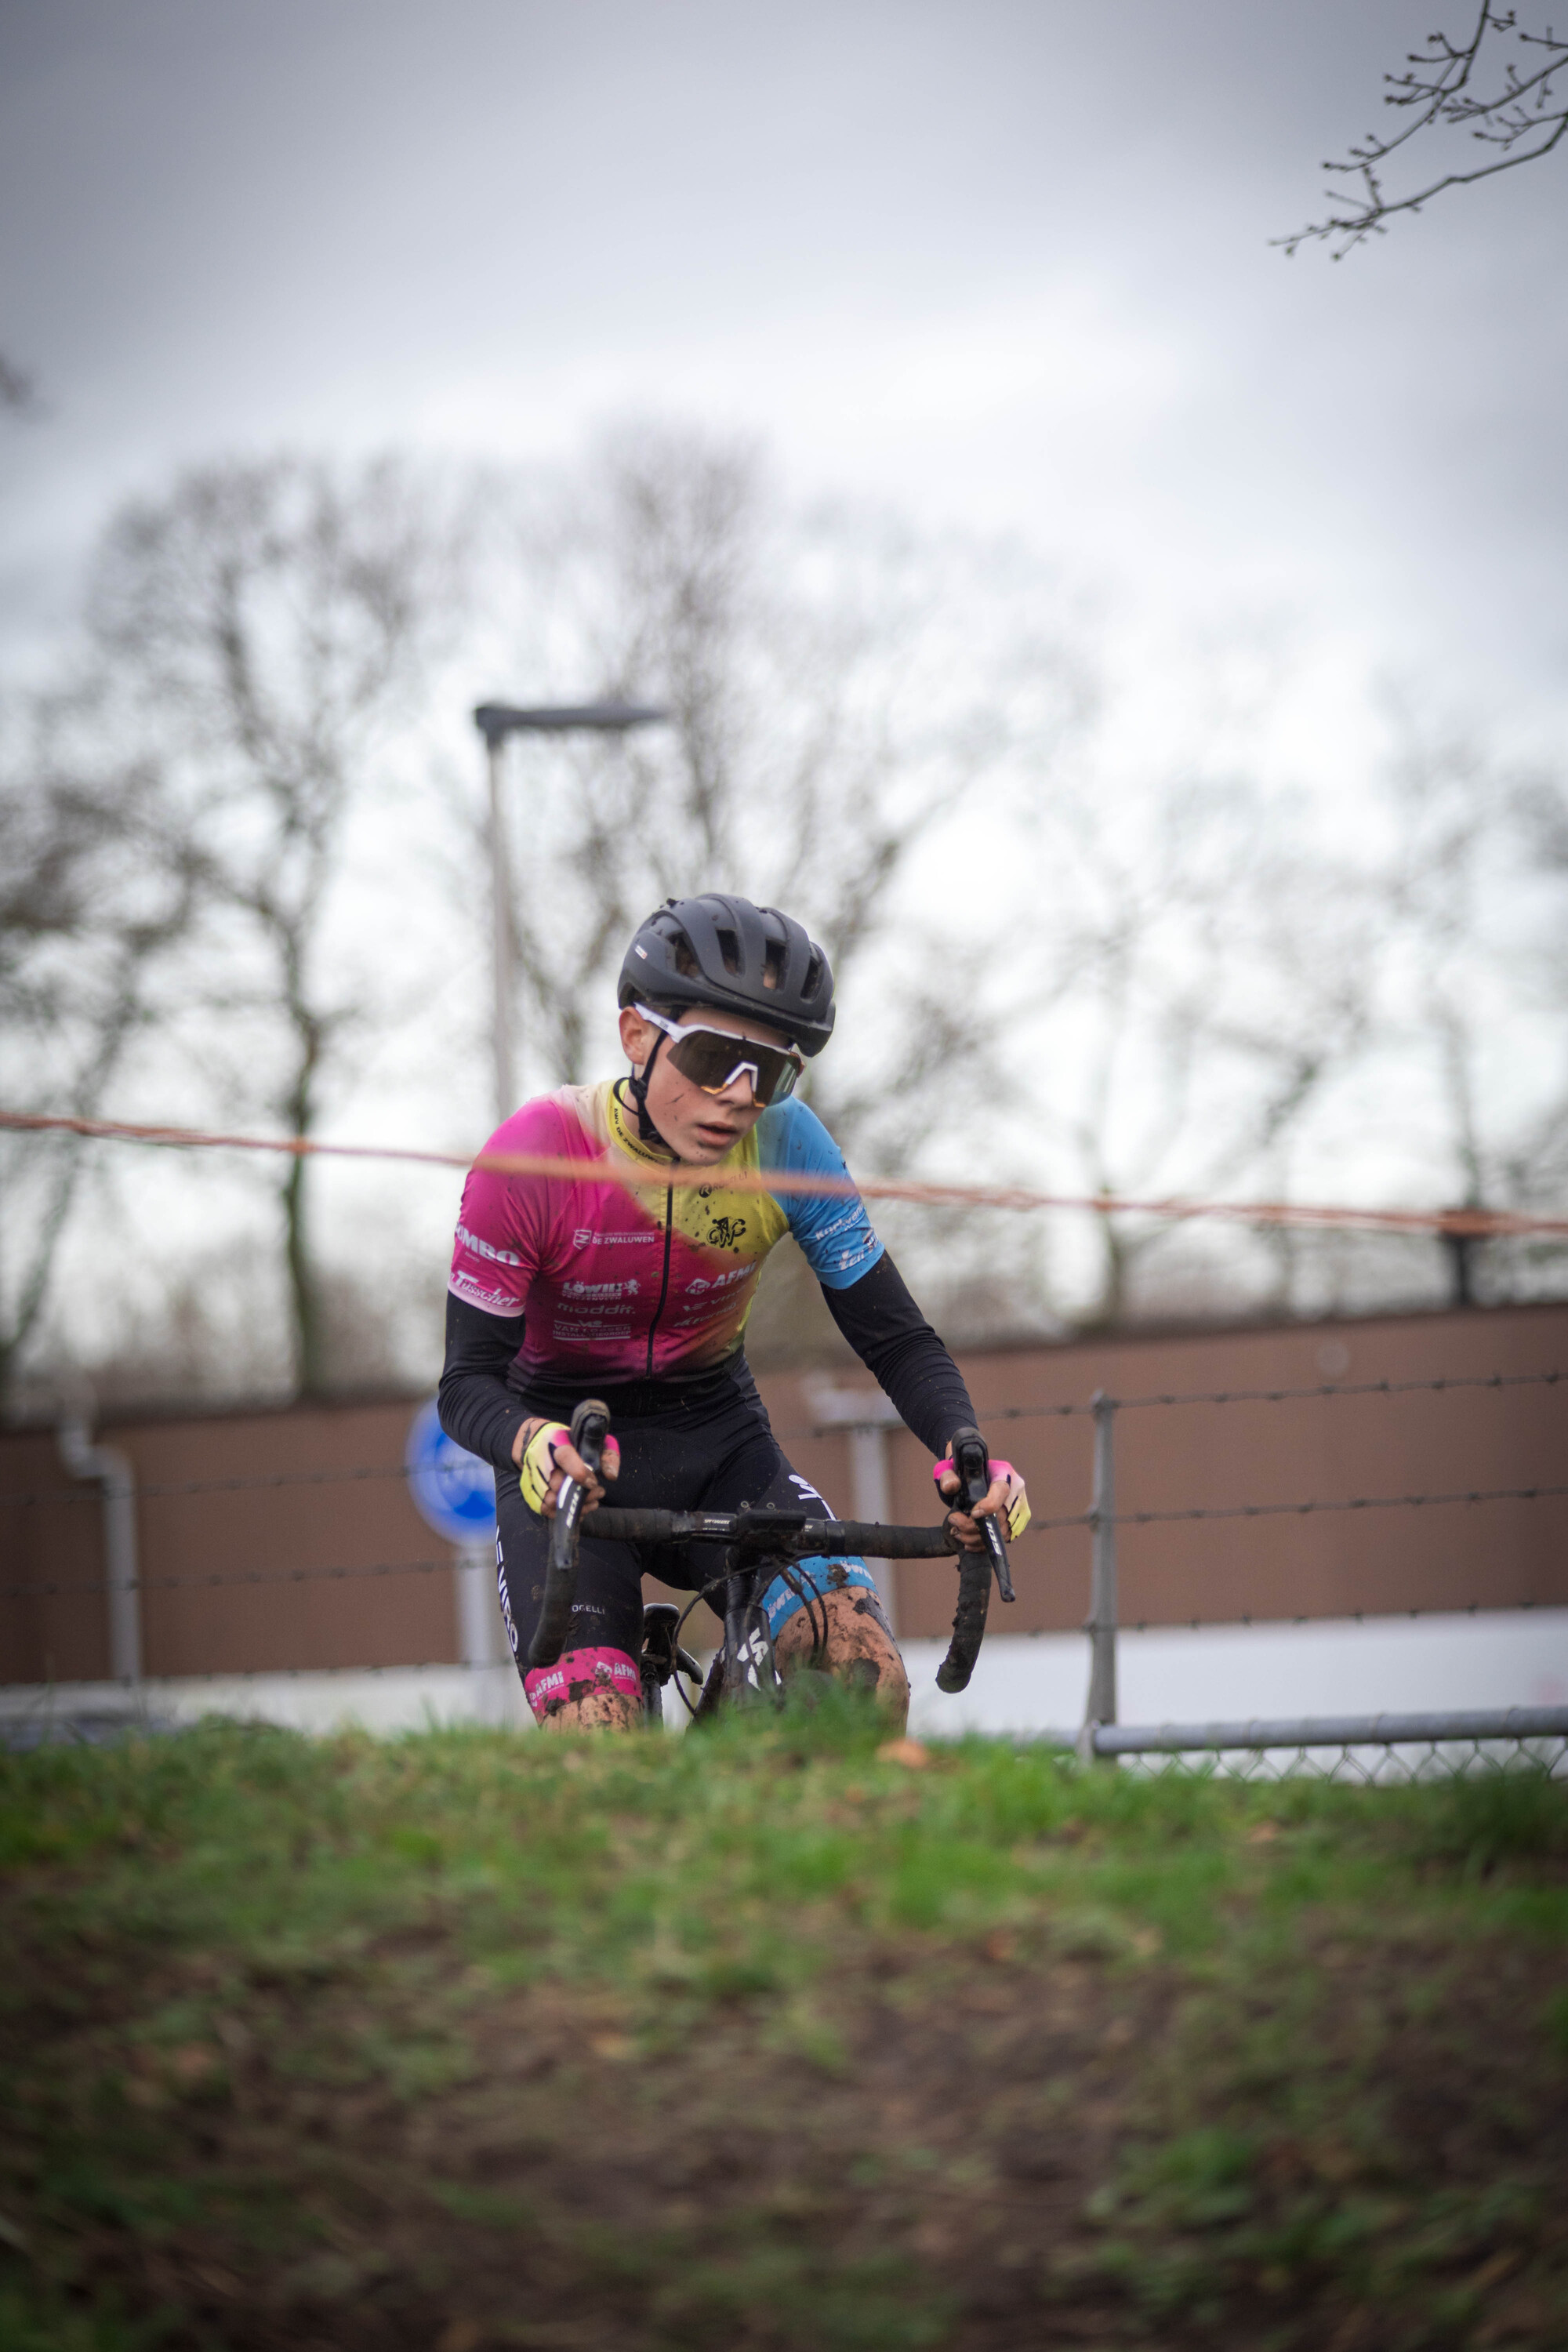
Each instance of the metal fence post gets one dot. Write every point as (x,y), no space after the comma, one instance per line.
(113,1472)
(1100,1626)
(479,1614)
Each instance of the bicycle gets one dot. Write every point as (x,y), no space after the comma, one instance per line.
(754,1541)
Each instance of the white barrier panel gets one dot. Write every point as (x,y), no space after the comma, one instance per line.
(1332,1667)
(1022,1682)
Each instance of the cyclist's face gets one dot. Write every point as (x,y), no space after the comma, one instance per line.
(698,1128)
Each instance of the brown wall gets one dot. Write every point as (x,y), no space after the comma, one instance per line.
(291,1540)
(296,1538)
(1491,1555)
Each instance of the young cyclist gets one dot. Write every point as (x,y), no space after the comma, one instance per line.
(565,1287)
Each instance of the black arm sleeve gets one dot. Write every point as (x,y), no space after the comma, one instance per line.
(475,1405)
(895,1342)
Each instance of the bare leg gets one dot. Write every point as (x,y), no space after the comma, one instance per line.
(858,1650)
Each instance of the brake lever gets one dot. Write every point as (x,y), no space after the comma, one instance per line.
(589,1427)
(972,1463)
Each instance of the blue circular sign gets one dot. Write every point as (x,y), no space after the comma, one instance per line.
(453,1490)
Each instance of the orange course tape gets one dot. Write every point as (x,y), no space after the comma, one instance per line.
(1477,1224)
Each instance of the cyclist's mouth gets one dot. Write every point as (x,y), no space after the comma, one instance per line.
(719,1138)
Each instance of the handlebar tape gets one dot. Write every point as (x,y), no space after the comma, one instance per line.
(972,1461)
(785,1535)
(968,1621)
(589,1427)
(974,1466)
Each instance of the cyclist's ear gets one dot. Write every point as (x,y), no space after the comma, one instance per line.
(638,1037)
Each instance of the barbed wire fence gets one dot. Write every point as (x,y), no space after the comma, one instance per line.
(1364,1747)
(1360,1747)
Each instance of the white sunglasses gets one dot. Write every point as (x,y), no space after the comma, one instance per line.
(714,1058)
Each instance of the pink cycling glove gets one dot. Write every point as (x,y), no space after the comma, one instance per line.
(1016,1505)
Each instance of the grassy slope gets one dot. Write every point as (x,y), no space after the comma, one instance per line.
(758,2039)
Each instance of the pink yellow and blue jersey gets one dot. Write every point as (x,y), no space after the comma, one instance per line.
(617,1281)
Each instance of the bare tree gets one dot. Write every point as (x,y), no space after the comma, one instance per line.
(1476,955)
(260,630)
(1519,114)
(1198,975)
(1159,985)
(1433,882)
(95,894)
(837,688)
(1459,1077)
(1538,1174)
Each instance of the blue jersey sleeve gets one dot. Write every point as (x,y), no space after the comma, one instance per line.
(834,1232)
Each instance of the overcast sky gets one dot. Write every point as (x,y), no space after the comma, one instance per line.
(1004,263)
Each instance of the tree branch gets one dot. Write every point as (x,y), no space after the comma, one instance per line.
(1438,86)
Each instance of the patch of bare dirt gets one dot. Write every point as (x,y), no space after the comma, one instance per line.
(956,2147)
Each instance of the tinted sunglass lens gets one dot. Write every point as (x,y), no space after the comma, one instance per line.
(712,1062)
(705,1059)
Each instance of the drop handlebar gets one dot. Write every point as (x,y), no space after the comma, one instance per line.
(754,1536)
(788,1534)
(971,1463)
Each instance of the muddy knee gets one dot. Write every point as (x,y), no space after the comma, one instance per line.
(600,1711)
(846,1635)
(589,1689)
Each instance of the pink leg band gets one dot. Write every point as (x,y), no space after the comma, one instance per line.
(578,1673)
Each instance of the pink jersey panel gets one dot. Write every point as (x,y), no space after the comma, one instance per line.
(608,1291)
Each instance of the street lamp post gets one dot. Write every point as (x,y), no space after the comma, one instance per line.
(496,721)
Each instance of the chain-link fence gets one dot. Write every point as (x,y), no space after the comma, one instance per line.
(1438,1745)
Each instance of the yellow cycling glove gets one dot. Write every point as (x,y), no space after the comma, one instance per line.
(539,1462)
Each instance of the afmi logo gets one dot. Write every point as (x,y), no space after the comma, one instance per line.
(701,1282)
(584,1239)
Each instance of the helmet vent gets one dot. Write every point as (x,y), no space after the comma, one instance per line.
(813,978)
(729,949)
(774,964)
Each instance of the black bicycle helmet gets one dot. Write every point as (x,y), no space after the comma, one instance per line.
(736,957)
